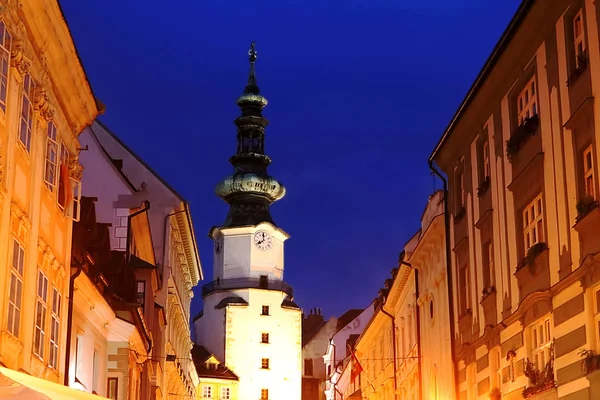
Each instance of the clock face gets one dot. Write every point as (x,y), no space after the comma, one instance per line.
(263,240)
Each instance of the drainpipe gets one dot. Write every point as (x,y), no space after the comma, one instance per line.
(448,274)
(70,322)
(145,207)
(418,322)
(393,349)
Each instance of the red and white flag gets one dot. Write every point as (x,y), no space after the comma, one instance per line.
(355,366)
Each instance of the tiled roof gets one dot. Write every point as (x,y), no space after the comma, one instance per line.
(200,355)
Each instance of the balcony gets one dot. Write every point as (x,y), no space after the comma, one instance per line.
(246,283)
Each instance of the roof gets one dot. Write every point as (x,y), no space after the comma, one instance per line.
(348,317)
(311,332)
(200,355)
(231,301)
(489,65)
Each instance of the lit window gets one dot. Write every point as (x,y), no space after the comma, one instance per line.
(207,391)
(527,102)
(54,330)
(533,223)
(112,388)
(5,43)
(265,363)
(485,150)
(26,112)
(265,310)
(51,168)
(16,289)
(578,36)
(265,338)
(141,293)
(225,393)
(41,309)
(588,172)
(541,343)
(264,394)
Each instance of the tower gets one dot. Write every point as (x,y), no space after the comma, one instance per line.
(250,321)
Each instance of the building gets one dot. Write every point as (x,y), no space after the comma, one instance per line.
(316,337)
(128,193)
(216,380)
(521,161)
(250,320)
(108,338)
(349,327)
(45,103)
(423,265)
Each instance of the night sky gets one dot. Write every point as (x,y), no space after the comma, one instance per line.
(359,93)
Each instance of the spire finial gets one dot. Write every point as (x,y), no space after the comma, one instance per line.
(252,87)
(252,52)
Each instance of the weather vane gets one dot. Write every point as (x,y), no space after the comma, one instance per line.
(252,52)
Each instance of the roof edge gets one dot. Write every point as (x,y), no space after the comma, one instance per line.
(489,65)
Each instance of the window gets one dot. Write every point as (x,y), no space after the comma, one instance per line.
(79,357)
(541,343)
(533,223)
(16,289)
(265,363)
(485,159)
(264,338)
(54,330)
(51,168)
(460,189)
(5,48)
(207,391)
(41,309)
(488,265)
(265,310)
(308,366)
(597,316)
(112,388)
(225,393)
(64,189)
(588,172)
(26,112)
(463,282)
(527,102)
(578,36)
(141,293)
(96,371)
(264,394)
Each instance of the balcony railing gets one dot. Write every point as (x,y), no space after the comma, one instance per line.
(246,283)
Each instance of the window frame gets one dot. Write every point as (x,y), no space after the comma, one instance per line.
(267,309)
(5,51)
(589,182)
(485,154)
(141,295)
(207,391)
(264,338)
(578,37)
(17,274)
(537,330)
(265,363)
(459,180)
(52,147)
(308,367)
(225,393)
(41,315)
(264,394)
(27,121)
(533,228)
(109,380)
(54,339)
(527,101)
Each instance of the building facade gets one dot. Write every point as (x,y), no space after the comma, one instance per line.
(316,338)
(45,103)
(216,380)
(129,192)
(250,320)
(521,159)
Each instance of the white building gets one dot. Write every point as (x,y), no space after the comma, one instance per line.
(350,325)
(121,182)
(250,320)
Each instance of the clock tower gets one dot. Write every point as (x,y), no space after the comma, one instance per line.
(250,321)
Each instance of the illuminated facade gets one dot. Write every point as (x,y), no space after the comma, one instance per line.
(216,380)
(45,103)
(250,320)
(521,159)
(128,192)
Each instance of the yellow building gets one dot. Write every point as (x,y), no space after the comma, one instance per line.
(216,380)
(45,102)
(521,156)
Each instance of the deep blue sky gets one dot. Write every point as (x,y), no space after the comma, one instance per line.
(359,92)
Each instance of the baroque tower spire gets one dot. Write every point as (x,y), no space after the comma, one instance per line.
(250,190)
